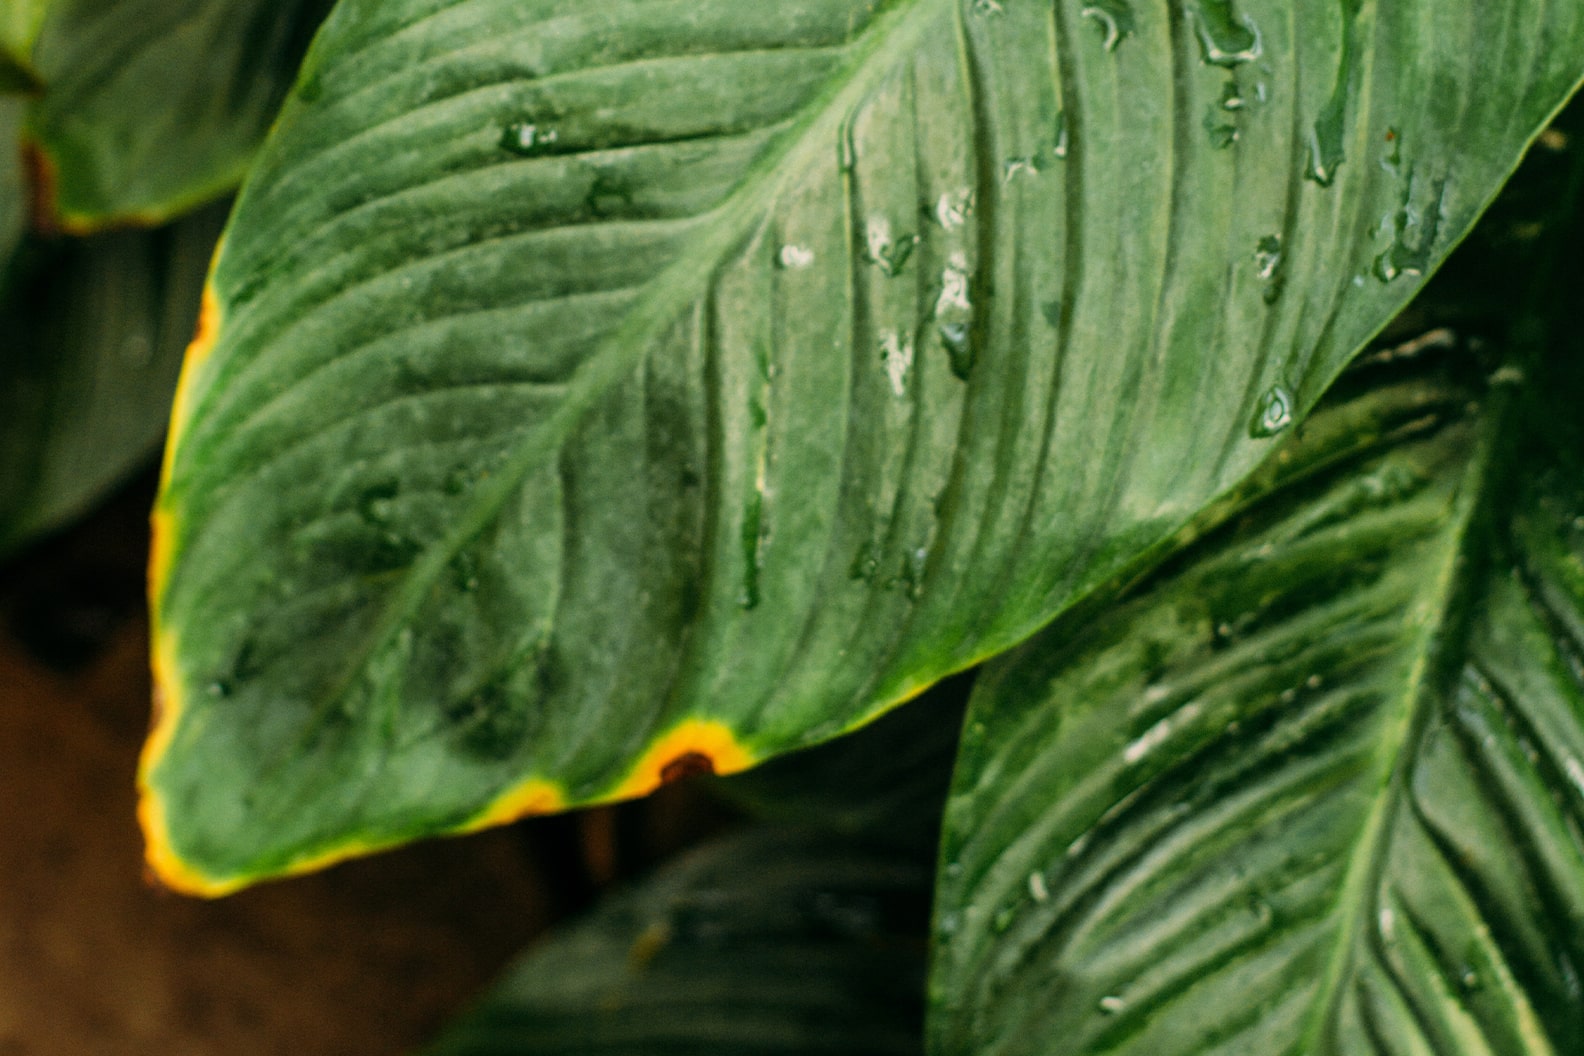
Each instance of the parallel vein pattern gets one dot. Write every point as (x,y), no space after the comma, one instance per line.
(708,378)
(1288,799)
(773,941)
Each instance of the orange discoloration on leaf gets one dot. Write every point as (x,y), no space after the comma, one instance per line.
(41,182)
(163,861)
(696,746)
(530,798)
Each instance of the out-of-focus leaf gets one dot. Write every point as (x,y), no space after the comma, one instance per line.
(91,338)
(151,107)
(13,184)
(773,941)
(20,21)
(885,783)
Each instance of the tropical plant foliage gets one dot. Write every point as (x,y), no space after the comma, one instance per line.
(590,396)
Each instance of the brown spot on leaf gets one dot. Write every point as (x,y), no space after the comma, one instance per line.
(688,764)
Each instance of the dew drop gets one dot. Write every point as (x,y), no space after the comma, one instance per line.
(954,295)
(1232,96)
(1326,136)
(1268,256)
(957,339)
(1111,1004)
(1406,255)
(1012,168)
(885,251)
(1222,135)
(1225,38)
(988,7)
(1115,19)
(752,551)
(1270,265)
(1274,415)
(1037,889)
(1060,149)
(526,138)
(794,258)
(954,208)
(896,355)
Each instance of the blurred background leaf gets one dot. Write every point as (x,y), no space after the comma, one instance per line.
(767,941)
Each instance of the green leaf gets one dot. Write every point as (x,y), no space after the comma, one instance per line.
(1316,787)
(772,941)
(20,22)
(154,106)
(601,394)
(93,332)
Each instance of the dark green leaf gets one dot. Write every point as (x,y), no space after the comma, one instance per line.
(13,184)
(600,393)
(885,783)
(153,106)
(768,942)
(91,338)
(1317,787)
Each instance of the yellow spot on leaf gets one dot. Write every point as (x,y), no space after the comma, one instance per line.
(525,800)
(696,746)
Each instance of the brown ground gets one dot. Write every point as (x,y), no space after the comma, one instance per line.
(369,957)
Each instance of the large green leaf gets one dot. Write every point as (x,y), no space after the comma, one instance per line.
(91,338)
(773,941)
(1316,788)
(600,393)
(153,106)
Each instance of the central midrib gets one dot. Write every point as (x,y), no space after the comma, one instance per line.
(896,29)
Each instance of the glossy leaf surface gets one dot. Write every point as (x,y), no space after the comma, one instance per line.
(91,338)
(150,107)
(1316,787)
(767,942)
(604,393)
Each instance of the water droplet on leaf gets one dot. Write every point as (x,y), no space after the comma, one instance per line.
(526,138)
(1115,19)
(896,355)
(1275,413)
(1225,38)
(794,258)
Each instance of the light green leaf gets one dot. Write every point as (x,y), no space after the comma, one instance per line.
(91,338)
(600,393)
(772,941)
(151,107)
(1316,788)
(20,21)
